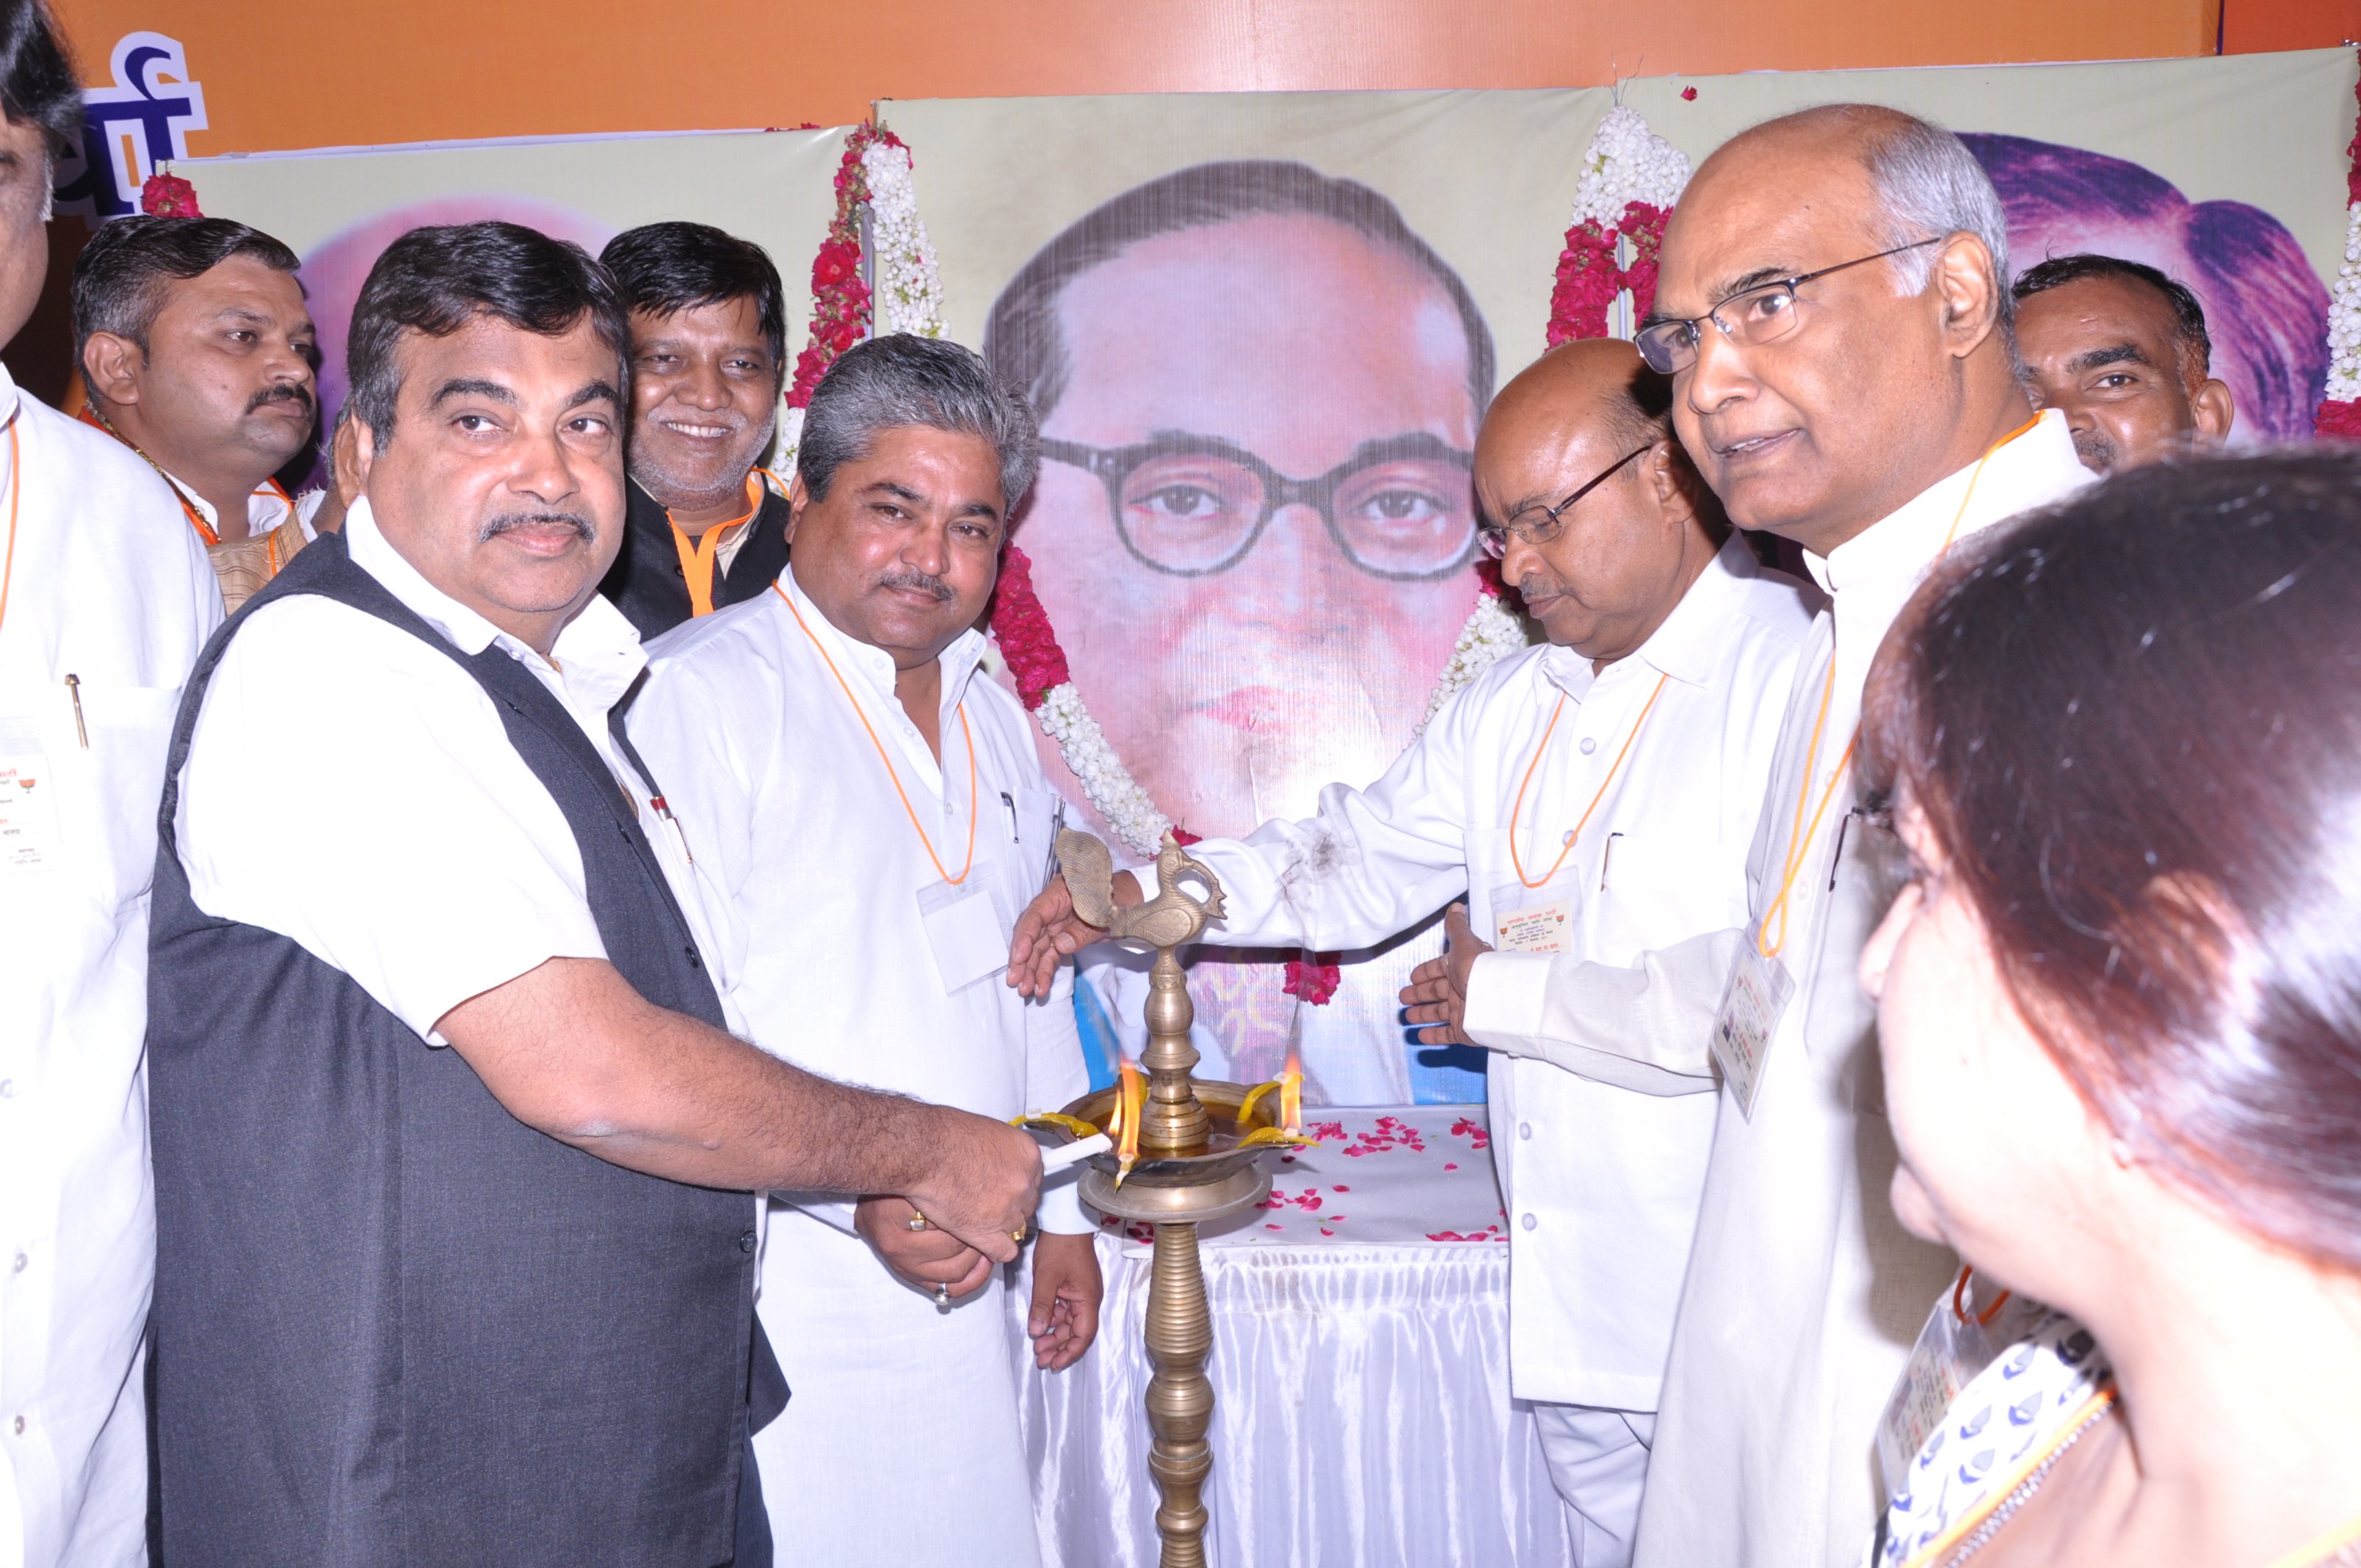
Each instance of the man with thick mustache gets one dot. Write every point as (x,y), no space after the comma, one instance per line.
(196,349)
(455,1148)
(1595,798)
(705,526)
(840,733)
(1834,316)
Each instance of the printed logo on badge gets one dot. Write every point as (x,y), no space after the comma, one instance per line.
(1748,1019)
(28,815)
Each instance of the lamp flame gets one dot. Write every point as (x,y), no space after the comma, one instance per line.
(1129,1107)
(1291,1094)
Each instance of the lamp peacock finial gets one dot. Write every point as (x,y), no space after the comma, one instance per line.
(1170,919)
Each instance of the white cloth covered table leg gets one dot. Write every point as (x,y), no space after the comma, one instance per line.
(1362,1416)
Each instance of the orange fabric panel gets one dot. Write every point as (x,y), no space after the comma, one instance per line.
(320,75)
(2255,27)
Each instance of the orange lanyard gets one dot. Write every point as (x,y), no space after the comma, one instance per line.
(15,488)
(891,772)
(699,555)
(1517,812)
(205,530)
(1799,837)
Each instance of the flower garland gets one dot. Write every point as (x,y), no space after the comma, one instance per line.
(875,173)
(1631,178)
(169,196)
(1493,632)
(2340,410)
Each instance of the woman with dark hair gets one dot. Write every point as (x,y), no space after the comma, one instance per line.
(2120,1016)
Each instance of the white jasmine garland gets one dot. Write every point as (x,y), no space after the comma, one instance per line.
(790,436)
(1626,163)
(909,295)
(1115,794)
(1493,632)
(2344,317)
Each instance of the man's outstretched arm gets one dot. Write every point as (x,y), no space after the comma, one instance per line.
(572,1051)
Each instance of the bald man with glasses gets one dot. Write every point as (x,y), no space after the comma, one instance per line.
(1594,797)
(1833,318)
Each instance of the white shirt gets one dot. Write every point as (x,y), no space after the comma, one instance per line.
(108,584)
(352,788)
(820,880)
(816,872)
(267,510)
(1601,1182)
(1804,1293)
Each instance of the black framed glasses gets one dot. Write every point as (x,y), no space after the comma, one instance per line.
(1749,318)
(1190,506)
(1540,525)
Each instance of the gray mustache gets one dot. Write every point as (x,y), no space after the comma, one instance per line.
(510,521)
(920,581)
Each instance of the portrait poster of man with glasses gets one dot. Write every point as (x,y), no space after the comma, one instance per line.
(1255,529)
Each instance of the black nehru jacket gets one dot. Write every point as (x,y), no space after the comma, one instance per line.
(645,582)
(396,1327)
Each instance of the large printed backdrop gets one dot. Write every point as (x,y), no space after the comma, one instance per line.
(1298,304)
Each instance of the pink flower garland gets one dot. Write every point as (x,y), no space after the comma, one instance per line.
(841,302)
(169,196)
(1589,276)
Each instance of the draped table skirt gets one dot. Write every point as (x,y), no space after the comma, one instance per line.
(1360,1368)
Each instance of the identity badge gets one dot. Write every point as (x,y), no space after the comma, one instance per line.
(1534,919)
(28,814)
(1957,1344)
(963,928)
(1748,1019)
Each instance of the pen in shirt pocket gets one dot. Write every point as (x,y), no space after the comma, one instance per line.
(657,803)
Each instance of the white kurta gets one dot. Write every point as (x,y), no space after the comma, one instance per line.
(108,584)
(820,885)
(1804,1293)
(1601,1182)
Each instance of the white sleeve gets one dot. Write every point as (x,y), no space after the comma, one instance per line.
(1371,864)
(697,749)
(352,788)
(1054,1076)
(1646,1028)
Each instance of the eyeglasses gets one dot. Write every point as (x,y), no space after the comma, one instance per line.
(1544,529)
(1755,316)
(1191,506)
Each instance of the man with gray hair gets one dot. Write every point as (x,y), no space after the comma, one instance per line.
(868,815)
(1834,315)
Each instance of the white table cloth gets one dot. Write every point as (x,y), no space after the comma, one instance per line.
(1360,1368)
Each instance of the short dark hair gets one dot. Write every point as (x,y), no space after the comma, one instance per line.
(38,84)
(2132,727)
(1023,344)
(669,267)
(120,279)
(903,379)
(436,281)
(2189,316)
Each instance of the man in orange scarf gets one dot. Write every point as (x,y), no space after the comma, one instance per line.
(706,527)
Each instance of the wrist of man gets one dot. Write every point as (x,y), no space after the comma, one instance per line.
(1507,994)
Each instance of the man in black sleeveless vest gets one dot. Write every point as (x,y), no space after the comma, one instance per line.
(452,1146)
(706,527)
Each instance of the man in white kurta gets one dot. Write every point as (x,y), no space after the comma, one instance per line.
(108,599)
(1595,798)
(865,875)
(1880,421)
(105,602)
